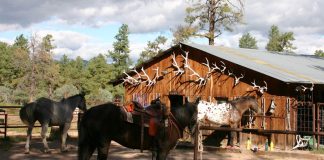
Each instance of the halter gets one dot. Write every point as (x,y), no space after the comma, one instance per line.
(176,124)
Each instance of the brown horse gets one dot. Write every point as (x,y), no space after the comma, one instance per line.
(104,123)
(226,114)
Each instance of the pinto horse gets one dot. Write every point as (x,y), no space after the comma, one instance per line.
(226,114)
(104,123)
(51,113)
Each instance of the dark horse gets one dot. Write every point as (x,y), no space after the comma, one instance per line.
(104,123)
(51,113)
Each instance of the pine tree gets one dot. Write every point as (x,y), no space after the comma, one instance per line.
(209,18)
(247,41)
(319,53)
(6,66)
(280,42)
(152,49)
(48,70)
(120,54)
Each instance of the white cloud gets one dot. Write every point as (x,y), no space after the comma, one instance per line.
(141,15)
(303,17)
(6,40)
(75,44)
(5,27)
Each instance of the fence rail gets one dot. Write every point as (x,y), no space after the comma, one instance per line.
(317,120)
(5,126)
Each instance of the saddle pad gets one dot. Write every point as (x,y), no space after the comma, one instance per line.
(129,117)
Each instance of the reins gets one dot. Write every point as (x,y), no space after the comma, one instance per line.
(176,124)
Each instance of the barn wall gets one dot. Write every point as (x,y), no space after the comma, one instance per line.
(219,85)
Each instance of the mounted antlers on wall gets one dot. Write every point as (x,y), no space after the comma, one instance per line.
(179,71)
(303,88)
(237,79)
(129,79)
(259,88)
(201,80)
(138,80)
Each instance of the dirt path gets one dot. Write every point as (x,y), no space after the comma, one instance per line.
(118,152)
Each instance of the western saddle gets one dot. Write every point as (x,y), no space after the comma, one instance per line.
(151,117)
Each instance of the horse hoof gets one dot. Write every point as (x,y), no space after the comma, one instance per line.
(47,151)
(27,152)
(64,150)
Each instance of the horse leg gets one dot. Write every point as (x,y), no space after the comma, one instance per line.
(43,135)
(29,134)
(85,150)
(64,135)
(232,135)
(238,139)
(103,150)
(161,155)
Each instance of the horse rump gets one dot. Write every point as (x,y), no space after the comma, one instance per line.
(26,113)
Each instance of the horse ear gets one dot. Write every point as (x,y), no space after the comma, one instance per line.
(197,100)
(186,99)
(82,93)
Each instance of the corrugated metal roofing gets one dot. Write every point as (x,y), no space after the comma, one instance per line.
(288,68)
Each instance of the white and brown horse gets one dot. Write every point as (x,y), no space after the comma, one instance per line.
(226,114)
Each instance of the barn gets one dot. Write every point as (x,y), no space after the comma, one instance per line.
(289,87)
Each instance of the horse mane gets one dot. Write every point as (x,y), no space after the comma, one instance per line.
(77,95)
(137,104)
(241,99)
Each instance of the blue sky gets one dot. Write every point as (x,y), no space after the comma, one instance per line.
(86,28)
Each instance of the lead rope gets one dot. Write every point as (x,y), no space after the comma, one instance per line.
(200,144)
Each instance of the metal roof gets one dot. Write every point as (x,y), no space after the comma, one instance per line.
(290,68)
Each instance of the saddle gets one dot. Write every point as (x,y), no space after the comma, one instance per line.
(149,117)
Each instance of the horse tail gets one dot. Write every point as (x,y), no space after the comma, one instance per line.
(85,146)
(26,113)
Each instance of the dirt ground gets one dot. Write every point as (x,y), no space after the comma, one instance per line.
(117,152)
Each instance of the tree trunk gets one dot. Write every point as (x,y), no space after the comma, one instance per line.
(50,91)
(33,84)
(212,16)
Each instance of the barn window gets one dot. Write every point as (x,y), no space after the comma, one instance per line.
(305,117)
(321,118)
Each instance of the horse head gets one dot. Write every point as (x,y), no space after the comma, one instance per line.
(192,107)
(254,106)
(82,103)
(245,103)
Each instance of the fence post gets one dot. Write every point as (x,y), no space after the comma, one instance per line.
(5,127)
(314,121)
(318,126)
(196,142)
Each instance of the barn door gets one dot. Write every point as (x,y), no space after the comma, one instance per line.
(320,122)
(176,100)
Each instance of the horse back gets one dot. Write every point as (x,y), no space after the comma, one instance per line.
(52,112)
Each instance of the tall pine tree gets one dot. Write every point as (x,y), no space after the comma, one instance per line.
(280,42)
(247,41)
(120,54)
(152,49)
(209,18)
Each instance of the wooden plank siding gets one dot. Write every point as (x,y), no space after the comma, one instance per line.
(220,85)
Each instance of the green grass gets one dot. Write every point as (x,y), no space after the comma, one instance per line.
(319,151)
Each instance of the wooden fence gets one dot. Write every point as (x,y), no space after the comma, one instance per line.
(4,116)
(317,123)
